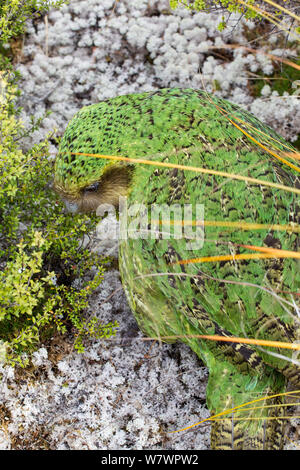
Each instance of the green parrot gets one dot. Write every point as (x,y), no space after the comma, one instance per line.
(184,233)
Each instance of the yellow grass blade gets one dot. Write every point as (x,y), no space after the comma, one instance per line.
(270,406)
(226,412)
(292,154)
(276,251)
(239,225)
(269,17)
(291,165)
(241,256)
(280,7)
(255,51)
(226,114)
(191,168)
(247,124)
(234,339)
(232,418)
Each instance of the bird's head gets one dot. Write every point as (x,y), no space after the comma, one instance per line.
(85,182)
(102,184)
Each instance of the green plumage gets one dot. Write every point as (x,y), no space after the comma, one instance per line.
(244,298)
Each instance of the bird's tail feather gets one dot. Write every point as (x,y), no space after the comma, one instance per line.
(255,426)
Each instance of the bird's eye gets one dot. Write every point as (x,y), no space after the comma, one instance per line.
(92,187)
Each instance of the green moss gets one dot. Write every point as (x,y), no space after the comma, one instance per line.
(281,80)
(296,144)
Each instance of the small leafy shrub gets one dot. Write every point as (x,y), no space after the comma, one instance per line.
(14,13)
(41,252)
(249,8)
(232,6)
